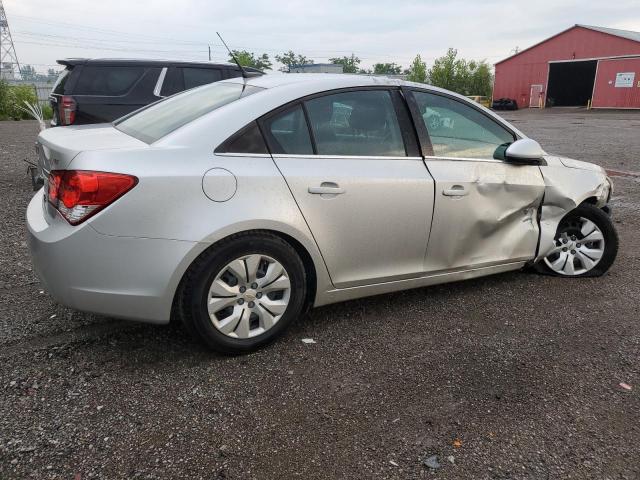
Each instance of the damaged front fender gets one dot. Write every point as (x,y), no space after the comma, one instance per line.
(568,183)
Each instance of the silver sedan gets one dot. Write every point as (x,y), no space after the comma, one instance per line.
(237,205)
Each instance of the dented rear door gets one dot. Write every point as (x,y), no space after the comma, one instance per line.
(485,210)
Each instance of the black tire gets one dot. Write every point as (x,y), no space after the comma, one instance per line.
(192,298)
(604,223)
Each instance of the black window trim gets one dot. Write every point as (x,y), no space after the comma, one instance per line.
(312,136)
(423,134)
(410,141)
(407,127)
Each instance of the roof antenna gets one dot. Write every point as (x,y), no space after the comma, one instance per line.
(243,72)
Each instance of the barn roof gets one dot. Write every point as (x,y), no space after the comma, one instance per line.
(627,34)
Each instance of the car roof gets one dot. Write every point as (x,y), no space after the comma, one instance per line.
(148,62)
(330,81)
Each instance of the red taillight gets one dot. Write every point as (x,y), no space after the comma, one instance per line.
(79,194)
(67,110)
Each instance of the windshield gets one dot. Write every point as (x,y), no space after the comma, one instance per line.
(161,118)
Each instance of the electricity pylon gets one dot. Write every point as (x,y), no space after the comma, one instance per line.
(9,64)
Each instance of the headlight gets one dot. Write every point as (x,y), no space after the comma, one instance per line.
(607,190)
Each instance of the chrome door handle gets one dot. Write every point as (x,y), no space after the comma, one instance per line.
(326,188)
(455,191)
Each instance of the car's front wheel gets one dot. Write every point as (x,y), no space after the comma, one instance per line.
(586,244)
(243,293)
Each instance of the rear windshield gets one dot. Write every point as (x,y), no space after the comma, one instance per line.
(58,87)
(163,117)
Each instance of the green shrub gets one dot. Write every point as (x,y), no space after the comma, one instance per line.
(4,100)
(12,98)
(47,112)
(17,96)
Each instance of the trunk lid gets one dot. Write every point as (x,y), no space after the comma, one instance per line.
(58,146)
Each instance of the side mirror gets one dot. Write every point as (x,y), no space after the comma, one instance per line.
(524,151)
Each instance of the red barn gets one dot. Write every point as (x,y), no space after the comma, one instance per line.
(579,65)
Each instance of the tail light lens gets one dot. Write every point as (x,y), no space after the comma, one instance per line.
(79,194)
(67,110)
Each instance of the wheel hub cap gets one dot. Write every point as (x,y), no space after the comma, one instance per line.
(579,246)
(248,296)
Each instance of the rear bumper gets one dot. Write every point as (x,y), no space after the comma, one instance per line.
(123,277)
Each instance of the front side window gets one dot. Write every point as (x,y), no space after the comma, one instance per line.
(107,80)
(289,132)
(458,130)
(163,117)
(360,123)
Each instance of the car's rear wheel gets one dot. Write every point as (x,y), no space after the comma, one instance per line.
(243,293)
(586,244)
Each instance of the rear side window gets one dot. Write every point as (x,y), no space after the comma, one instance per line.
(184,78)
(359,123)
(289,132)
(107,80)
(61,81)
(248,140)
(194,77)
(161,118)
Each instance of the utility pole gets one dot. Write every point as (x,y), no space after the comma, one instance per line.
(209,52)
(8,56)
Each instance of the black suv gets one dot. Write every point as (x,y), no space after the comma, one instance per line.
(101,90)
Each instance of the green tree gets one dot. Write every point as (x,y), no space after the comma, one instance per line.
(467,77)
(481,79)
(387,69)
(28,72)
(445,71)
(417,72)
(249,59)
(289,59)
(349,64)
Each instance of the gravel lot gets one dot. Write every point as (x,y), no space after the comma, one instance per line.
(514,376)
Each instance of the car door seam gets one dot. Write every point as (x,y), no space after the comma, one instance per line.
(433,214)
(303,218)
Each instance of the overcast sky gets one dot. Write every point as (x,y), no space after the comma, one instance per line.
(375,30)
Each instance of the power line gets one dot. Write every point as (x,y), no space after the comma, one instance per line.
(117,44)
(165,40)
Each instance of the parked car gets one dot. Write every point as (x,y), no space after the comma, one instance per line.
(101,90)
(239,204)
(504,104)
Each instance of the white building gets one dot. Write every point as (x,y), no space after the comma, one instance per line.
(316,68)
